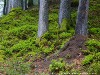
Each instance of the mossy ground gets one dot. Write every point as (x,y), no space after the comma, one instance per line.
(18,35)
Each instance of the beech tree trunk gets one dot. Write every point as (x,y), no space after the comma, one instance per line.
(9,4)
(82,18)
(16,3)
(43,17)
(35,2)
(1,7)
(24,4)
(64,11)
(5,8)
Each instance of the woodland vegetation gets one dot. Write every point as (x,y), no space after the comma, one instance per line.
(50,38)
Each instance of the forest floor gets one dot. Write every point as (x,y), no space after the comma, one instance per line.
(58,51)
(72,48)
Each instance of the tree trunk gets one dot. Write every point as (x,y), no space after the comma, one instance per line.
(82,18)
(35,2)
(1,7)
(9,4)
(16,3)
(64,11)
(4,8)
(24,4)
(43,17)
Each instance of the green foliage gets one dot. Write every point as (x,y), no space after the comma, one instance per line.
(18,33)
(23,32)
(53,17)
(94,68)
(73,71)
(47,50)
(2,56)
(8,53)
(97,57)
(88,59)
(86,52)
(94,14)
(57,66)
(93,56)
(30,56)
(24,46)
(94,31)
(93,45)
(65,35)
(47,35)
(15,66)
(65,25)
(9,42)
(13,15)
(44,73)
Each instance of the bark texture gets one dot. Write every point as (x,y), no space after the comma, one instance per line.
(24,4)
(9,4)
(82,18)
(64,11)
(35,2)
(43,17)
(1,7)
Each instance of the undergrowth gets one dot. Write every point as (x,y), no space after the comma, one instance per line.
(18,38)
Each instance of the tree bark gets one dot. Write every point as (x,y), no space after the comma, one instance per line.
(24,4)
(9,4)
(16,3)
(35,2)
(1,7)
(64,11)
(82,18)
(43,17)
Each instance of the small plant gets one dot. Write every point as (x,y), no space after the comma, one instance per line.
(23,32)
(8,52)
(47,36)
(15,66)
(97,57)
(86,52)
(65,35)
(93,45)
(57,66)
(93,42)
(95,31)
(68,56)
(65,25)
(47,50)
(94,68)
(30,56)
(1,58)
(88,59)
